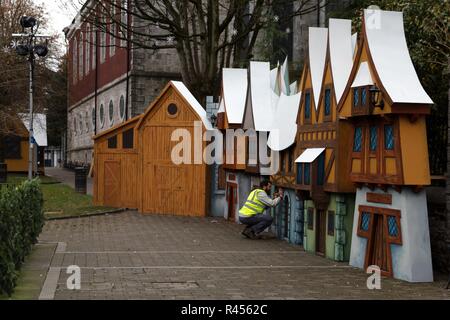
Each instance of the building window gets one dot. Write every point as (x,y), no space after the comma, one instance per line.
(103,41)
(75,125)
(299,173)
(112,142)
(363,96)
(357,143)
(172,109)
(388,137)
(307,173)
(80,120)
(74,60)
(310,218)
(355,97)
(94,47)
(88,49)
(81,55)
(327,102)
(111,112)
(93,117)
(124,23)
(308,105)
(282,163)
(373,138)
(87,121)
(291,160)
(122,107)
(330,223)
(128,139)
(102,115)
(321,169)
(11,147)
(112,33)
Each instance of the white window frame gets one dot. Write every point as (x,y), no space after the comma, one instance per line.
(124,22)
(112,30)
(81,55)
(103,41)
(75,59)
(94,47)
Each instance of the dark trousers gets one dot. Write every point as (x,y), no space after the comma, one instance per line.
(258,223)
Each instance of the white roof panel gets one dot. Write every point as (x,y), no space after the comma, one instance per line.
(309,155)
(389,51)
(273,79)
(261,94)
(354,42)
(194,103)
(39,127)
(318,38)
(284,129)
(293,87)
(285,78)
(341,53)
(235,84)
(363,76)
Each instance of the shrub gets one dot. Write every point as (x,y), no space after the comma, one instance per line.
(21,222)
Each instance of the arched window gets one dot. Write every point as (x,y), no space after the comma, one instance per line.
(111,112)
(122,107)
(86,120)
(75,125)
(102,115)
(93,117)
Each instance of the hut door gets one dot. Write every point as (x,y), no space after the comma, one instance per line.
(112,183)
(232,201)
(378,248)
(321,232)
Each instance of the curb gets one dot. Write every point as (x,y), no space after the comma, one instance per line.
(102,213)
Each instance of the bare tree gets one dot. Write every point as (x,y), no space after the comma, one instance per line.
(208,35)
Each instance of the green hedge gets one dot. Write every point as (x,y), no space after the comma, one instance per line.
(21,222)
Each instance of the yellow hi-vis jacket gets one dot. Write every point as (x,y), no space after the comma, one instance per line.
(253,205)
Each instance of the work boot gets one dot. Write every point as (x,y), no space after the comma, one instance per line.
(247,232)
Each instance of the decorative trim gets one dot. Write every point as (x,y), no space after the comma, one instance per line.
(379,197)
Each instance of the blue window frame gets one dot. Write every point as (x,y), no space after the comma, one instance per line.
(392,226)
(357,143)
(373,138)
(307,173)
(365,221)
(363,96)
(307,105)
(321,169)
(299,173)
(355,97)
(327,102)
(388,137)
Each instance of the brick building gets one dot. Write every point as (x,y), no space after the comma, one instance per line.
(109,80)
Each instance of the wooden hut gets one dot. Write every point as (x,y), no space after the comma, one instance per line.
(134,162)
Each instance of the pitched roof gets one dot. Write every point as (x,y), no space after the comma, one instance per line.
(389,52)
(318,39)
(234,84)
(341,53)
(363,76)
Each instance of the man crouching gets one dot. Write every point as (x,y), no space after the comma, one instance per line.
(252,213)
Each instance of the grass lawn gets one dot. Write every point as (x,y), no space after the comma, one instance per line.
(61,200)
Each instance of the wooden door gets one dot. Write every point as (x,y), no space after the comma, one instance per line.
(321,232)
(112,183)
(231,201)
(378,250)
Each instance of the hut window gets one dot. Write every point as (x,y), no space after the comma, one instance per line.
(327,102)
(321,169)
(299,173)
(172,109)
(306,173)
(363,96)
(355,97)
(122,107)
(388,137)
(330,230)
(127,139)
(373,138)
(12,147)
(111,112)
(112,143)
(310,218)
(102,115)
(357,140)
(290,160)
(308,106)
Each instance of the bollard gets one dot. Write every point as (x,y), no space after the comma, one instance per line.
(3,172)
(80,180)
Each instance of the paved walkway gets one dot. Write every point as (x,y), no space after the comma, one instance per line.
(132,256)
(67,176)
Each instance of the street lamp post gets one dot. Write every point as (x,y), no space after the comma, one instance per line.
(29,48)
